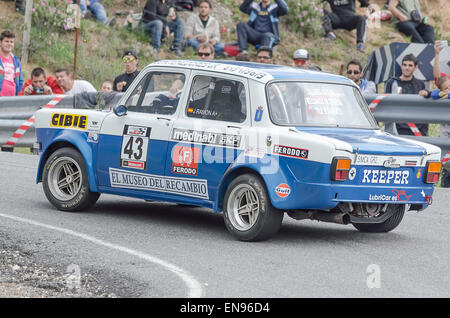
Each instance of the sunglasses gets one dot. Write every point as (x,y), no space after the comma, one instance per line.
(264,57)
(298,61)
(128,59)
(353,72)
(203,54)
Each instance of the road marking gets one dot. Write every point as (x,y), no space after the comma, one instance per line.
(194,287)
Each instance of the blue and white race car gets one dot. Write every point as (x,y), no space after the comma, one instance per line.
(250,140)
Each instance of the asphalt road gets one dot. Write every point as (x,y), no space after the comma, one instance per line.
(141,249)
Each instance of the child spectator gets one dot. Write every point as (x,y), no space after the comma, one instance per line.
(107,86)
(355,73)
(154,21)
(264,55)
(406,83)
(410,21)
(130,62)
(262,26)
(438,47)
(40,84)
(202,27)
(72,87)
(343,16)
(11,77)
(94,7)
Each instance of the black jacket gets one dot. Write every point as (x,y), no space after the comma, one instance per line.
(155,9)
(346,7)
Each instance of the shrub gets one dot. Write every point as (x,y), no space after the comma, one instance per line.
(305,17)
(54,15)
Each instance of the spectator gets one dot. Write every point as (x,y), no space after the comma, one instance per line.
(130,61)
(40,84)
(11,77)
(262,26)
(438,46)
(355,73)
(154,22)
(94,7)
(302,60)
(407,84)
(203,28)
(343,16)
(19,6)
(70,86)
(205,51)
(107,86)
(409,20)
(264,55)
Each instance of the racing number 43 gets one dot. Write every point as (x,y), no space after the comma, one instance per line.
(133,152)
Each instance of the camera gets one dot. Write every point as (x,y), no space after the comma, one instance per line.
(38,90)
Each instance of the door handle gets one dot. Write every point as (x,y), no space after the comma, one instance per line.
(163,118)
(236,127)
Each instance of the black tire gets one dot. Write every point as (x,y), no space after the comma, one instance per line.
(263,222)
(65,181)
(387,225)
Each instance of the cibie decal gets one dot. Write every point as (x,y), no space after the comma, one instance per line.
(197,188)
(133,153)
(291,152)
(69,121)
(259,113)
(283,190)
(385,176)
(185,160)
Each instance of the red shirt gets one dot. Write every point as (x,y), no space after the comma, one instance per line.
(51,82)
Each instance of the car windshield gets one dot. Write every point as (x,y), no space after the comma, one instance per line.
(318,104)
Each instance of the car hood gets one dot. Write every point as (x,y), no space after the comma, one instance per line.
(368,141)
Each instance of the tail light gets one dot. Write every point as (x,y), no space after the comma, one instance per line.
(340,167)
(432,172)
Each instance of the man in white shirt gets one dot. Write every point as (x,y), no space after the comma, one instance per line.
(203,28)
(72,87)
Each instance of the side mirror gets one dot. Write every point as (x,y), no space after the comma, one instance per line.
(120,110)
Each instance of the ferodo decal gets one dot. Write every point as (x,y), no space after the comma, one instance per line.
(206,138)
(69,121)
(197,188)
(283,190)
(385,176)
(185,160)
(133,153)
(291,152)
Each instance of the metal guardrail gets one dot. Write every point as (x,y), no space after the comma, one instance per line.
(14,111)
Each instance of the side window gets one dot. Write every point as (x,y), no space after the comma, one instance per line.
(157,93)
(217,99)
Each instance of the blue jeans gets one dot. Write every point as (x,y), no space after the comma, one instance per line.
(96,8)
(155,29)
(219,47)
(246,34)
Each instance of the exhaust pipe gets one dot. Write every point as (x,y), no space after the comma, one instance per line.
(330,217)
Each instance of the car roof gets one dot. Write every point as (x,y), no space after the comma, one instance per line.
(257,71)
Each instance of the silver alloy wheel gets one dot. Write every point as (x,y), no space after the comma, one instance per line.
(243,207)
(64,178)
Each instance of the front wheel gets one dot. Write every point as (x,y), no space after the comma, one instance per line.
(66,182)
(386,226)
(248,213)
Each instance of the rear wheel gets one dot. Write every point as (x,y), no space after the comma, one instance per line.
(66,182)
(248,213)
(386,226)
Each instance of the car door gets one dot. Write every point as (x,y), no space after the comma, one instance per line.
(207,135)
(132,148)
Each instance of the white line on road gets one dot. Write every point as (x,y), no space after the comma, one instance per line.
(195,289)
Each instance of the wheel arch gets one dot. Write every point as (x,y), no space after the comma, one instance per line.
(81,147)
(228,178)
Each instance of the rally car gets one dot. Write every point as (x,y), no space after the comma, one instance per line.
(250,140)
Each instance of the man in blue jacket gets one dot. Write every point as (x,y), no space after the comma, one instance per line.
(262,26)
(11,77)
